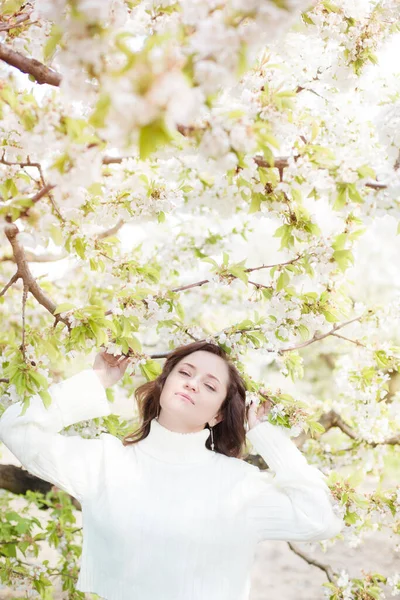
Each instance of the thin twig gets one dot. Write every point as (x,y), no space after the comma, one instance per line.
(13,279)
(109,232)
(289,262)
(317,336)
(312,561)
(51,197)
(24,298)
(19,163)
(20,19)
(248,270)
(261,285)
(38,196)
(349,340)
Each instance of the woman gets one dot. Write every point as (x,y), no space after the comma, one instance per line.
(172,512)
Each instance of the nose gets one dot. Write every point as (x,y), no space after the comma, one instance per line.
(192,384)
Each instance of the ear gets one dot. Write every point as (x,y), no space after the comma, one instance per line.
(216,420)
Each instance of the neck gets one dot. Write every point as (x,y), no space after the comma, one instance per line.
(164,423)
(174,447)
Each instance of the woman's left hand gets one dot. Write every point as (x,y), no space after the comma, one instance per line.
(256,412)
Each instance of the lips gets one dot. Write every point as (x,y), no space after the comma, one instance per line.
(185,396)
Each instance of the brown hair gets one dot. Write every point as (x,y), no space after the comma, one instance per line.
(229,434)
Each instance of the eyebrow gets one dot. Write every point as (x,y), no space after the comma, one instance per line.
(208,374)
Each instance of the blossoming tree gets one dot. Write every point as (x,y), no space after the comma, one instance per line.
(202,170)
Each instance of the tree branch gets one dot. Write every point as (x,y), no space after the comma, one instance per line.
(19,163)
(331,575)
(31,66)
(37,166)
(38,196)
(23,272)
(18,481)
(342,337)
(319,336)
(20,19)
(282,162)
(333,419)
(109,232)
(248,270)
(31,257)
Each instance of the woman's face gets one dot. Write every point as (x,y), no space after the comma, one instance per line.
(204,378)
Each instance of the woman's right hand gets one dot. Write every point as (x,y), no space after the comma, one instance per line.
(110,368)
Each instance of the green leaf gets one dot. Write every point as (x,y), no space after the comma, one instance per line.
(343,258)
(340,241)
(133,344)
(366,171)
(52,42)
(211,261)
(56,234)
(9,550)
(315,426)
(239,273)
(45,396)
(285,232)
(66,306)
(63,163)
(283,281)
(242,64)
(307,20)
(101,110)
(351,517)
(8,189)
(381,358)
(330,6)
(10,7)
(244,324)
(179,310)
(151,369)
(256,199)
(38,378)
(304,332)
(341,197)
(153,136)
(354,194)
(79,246)
(361,502)
(330,317)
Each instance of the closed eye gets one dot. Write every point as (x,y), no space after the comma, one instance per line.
(209,386)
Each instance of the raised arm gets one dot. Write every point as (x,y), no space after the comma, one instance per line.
(296,504)
(70,462)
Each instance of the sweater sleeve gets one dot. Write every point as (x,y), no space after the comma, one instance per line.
(295,504)
(70,462)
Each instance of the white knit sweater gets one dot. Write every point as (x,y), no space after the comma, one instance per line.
(166,518)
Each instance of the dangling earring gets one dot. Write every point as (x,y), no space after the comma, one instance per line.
(158,414)
(212,438)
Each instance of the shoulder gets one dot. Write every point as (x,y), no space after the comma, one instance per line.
(111,443)
(237,465)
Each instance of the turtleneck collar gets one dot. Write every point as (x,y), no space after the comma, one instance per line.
(173,447)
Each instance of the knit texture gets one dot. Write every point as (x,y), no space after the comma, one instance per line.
(167,518)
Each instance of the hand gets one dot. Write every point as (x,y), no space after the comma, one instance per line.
(256,412)
(110,368)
